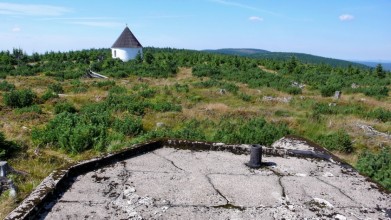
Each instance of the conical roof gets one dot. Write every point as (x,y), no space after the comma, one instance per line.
(126,40)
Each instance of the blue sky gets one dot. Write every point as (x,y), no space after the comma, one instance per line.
(345,29)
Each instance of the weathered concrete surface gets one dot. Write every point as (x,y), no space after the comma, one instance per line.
(168,183)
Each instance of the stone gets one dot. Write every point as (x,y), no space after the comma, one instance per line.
(337,94)
(4,168)
(222,91)
(160,125)
(12,188)
(355,86)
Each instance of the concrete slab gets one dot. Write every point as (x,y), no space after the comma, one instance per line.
(169,183)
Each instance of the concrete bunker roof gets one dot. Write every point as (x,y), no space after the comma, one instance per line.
(170,179)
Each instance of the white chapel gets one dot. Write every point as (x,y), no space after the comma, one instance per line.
(126,47)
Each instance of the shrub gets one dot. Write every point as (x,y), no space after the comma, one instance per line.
(181,88)
(245,97)
(164,106)
(56,88)
(339,141)
(64,107)
(49,95)
(190,130)
(117,90)
(293,90)
(380,114)
(253,131)
(20,98)
(5,86)
(376,91)
(7,148)
(130,126)
(106,85)
(377,166)
(147,93)
(75,133)
(328,90)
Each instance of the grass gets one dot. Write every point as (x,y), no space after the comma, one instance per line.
(206,105)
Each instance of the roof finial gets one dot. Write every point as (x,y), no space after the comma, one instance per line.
(126,24)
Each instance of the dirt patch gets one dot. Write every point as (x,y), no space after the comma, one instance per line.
(184,73)
(263,68)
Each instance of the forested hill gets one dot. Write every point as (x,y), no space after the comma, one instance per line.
(302,57)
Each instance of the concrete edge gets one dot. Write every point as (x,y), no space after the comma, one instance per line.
(61,179)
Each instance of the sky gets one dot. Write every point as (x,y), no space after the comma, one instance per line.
(342,29)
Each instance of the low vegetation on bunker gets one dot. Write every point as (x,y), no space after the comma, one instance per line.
(55,115)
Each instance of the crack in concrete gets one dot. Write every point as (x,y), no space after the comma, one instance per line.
(218,191)
(172,162)
(227,206)
(343,193)
(280,176)
(282,187)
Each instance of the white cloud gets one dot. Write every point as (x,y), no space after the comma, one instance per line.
(346,17)
(255,18)
(31,9)
(16,29)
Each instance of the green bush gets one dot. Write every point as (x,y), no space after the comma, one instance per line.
(117,90)
(181,88)
(7,148)
(130,126)
(5,86)
(293,90)
(49,95)
(190,130)
(107,84)
(164,106)
(20,98)
(377,166)
(56,88)
(245,97)
(75,133)
(380,114)
(147,93)
(328,90)
(376,91)
(64,107)
(253,131)
(339,141)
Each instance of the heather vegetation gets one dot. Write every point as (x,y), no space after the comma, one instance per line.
(53,113)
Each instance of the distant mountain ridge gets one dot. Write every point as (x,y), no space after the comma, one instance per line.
(385,65)
(305,58)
